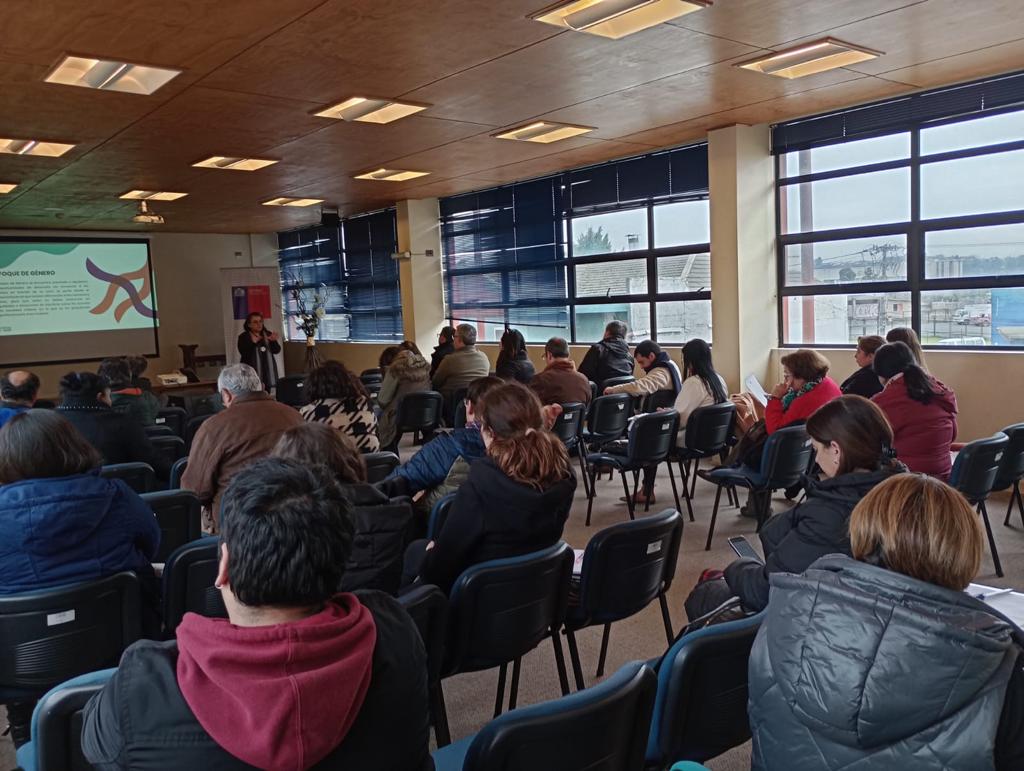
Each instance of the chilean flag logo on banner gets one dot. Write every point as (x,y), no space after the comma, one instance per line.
(251,299)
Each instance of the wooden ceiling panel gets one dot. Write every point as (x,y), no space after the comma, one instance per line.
(973,64)
(558,161)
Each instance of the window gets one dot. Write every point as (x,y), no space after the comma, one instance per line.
(564,255)
(352,266)
(921,225)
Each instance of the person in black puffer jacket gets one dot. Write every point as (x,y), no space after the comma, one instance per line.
(513,362)
(445,345)
(608,358)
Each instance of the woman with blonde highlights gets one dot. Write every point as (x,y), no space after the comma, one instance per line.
(883,661)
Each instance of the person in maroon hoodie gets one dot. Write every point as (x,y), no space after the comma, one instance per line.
(297,677)
(921,409)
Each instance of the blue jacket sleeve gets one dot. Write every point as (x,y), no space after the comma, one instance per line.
(429,467)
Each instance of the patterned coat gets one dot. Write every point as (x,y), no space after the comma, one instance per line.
(360,424)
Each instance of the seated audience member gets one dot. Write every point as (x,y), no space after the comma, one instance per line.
(909,337)
(297,676)
(516,499)
(559,382)
(884,661)
(864,382)
(246,430)
(388,355)
(408,373)
(922,411)
(62,523)
(125,397)
(18,392)
(445,345)
(463,365)
(85,403)
(608,358)
(852,444)
(513,361)
(660,375)
(804,388)
(338,398)
(139,364)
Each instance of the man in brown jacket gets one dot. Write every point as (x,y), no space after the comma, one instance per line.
(560,383)
(246,430)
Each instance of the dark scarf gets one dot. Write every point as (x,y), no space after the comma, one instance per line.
(662,360)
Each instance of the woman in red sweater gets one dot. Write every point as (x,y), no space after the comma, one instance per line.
(805,387)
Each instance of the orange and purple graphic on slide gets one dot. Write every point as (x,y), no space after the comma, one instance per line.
(122,281)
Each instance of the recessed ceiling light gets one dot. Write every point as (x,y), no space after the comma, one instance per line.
(152,195)
(235,164)
(285,201)
(33,147)
(370,110)
(810,58)
(392,175)
(108,75)
(544,132)
(616,18)
(6,188)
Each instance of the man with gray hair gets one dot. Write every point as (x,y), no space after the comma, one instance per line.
(608,358)
(464,365)
(246,430)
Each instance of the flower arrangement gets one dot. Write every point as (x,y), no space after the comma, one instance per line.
(310,305)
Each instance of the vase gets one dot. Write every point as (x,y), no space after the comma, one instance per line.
(313,359)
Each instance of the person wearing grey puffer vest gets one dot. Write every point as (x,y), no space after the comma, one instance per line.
(859,668)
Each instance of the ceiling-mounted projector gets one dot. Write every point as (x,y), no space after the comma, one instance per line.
(147,217)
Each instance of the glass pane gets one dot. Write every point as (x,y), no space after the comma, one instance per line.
(847,155)
(991,130)
(984,183)
(685,273)
(592,319)
(538,325)
(842,318)
(606,279)
(617,231)
(678,224)
(992,251)
(489,322)
(862,199)
(683,320)
(882,258)
(973,317)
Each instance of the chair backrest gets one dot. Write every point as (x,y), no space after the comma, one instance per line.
(976,466)
(172,448)
(57,723)
(614,381)
(179,515)
(651,437)
(379,465)
(609,416)
(291,390)
(192,426)
(626,566)
(459,418)
(570,423)
(159,430)
(138,476)
(188,587)
(501,609)
(1011,467)
(701,707)
(369,375)
(174,418)
(602,728)
(51,635)
(177,471)
(708,428)
(660,399)
(439,515)
(382,532)
(420,411)
(593,390)
(428,607)
(786,457)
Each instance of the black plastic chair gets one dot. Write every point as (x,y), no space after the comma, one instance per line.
(428,607)
(974,474)
(138,476)
(189,574)
(1011,470)
(625,567)
(604,728)
(371,375)
(607,420)
(707,434)
(379,465)
(174,418)
(419,412)
(459,418)
(701,707)
(170,448)
(785,458)
(615,381)
(439,515)
(177,471)
(649,442)
(455,408)
(51,635)
(192,427)
(502,609)
(180,518)
(659,400)
(568,427)
(158,430)
(291,390)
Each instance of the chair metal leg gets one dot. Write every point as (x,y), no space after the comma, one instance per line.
(583,469)
(684,473)
(563,678)
(675,491)
(1014,496)
(764,505)
(629,498)
(991,541)
(515,684)
(734,497)
(666,617)
(440,715)
(574,656)
(693,476)
(714,516)
(499,699)
(593,493)
(1020,501)
(604,649)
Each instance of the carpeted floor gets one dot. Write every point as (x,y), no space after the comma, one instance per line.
(470,698)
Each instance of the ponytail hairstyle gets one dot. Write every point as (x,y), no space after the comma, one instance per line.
(898,359)
(861,430)
(697,363)
(521,447)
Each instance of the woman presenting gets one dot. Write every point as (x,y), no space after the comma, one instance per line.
(257,347)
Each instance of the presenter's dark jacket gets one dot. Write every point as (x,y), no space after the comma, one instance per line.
(864,382)
(262,361)
(118,437)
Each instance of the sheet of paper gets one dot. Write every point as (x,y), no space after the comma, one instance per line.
(577,565)
(755,389)
(1010,604)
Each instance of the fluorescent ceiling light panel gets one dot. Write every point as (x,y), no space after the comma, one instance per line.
(617,18)
(33,147)
(6,188)
(369,110)
(392,175)
(543,132)
(235,164)
(152,195)
(285,201)
(107,75)
(810,59)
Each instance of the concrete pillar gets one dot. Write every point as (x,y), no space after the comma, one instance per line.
(420,275)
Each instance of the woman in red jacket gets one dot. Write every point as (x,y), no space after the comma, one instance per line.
(805,387)
(922,411)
